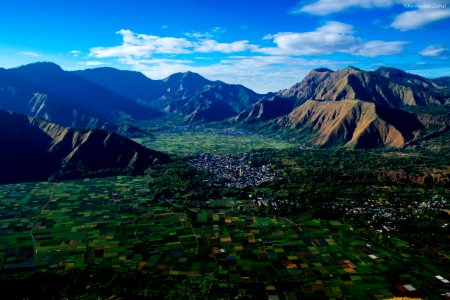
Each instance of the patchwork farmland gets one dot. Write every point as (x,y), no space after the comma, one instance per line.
(108,223)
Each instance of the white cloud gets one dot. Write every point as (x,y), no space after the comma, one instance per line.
(213,32)
(75,53)
(378,48)
(432,51)
(260,73)
(143,45)
(218,29)
(29,53)
(325,7)
(158,68)
(424,12)
(199,35)
(94,63)
(420,17)
(330,38)
(263,69)
(206,46)
(333,37)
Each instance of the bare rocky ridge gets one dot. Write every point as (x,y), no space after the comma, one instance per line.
(351,123)
(316,81)
(355,108)
(380,87)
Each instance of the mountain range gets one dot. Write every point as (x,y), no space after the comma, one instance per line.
(354,108)
(379,87)
(186,95)
(45,91)
(347,107)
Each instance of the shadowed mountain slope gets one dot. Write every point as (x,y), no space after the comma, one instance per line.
(187,95)
(82,93)
(215,103)
(130,84)
(22,96)
(34,149)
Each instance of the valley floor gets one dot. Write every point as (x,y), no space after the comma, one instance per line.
(213,141)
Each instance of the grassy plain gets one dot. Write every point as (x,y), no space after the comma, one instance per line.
(189,143)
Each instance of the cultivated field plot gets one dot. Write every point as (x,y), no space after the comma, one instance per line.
(97,221)
(106,223)
(279,257)
(191,143)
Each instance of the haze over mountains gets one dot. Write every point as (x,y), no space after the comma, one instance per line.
(348,107)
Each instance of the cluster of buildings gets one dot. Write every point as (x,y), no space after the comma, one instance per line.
(234,171)
(385,215)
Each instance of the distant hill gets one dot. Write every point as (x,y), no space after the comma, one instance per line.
(23,96)
(437,85)
(82,93)
(180,86)
(352,123)
(34,149)
(130,84)
(187,95)
(215,103)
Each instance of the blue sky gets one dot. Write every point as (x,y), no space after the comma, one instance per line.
(266,45)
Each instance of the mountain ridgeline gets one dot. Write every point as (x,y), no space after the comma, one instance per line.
(348,107)
(188,95)
(45,91)
(354,108)
(35,149)
(377,87)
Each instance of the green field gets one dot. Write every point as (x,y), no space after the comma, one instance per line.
(106,224)
(189,143)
